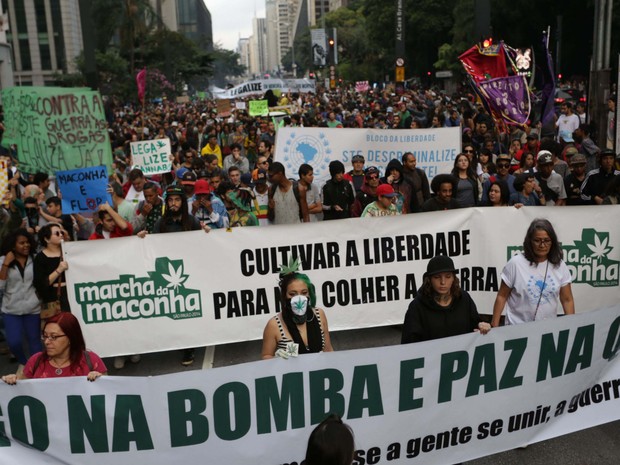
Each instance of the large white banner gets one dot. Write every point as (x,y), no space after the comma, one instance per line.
(260,86)
(435,149)
(192,289)
(435,402)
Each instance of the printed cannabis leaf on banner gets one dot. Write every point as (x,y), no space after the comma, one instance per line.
(168,273)
(599,248)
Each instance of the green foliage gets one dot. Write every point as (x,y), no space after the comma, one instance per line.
(225,64)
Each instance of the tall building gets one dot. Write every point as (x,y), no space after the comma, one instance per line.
(191,18)
(271,29)
(45,37)
(243,49)
(318,8)
(6,60)
(258,48)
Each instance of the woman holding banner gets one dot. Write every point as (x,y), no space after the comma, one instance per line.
(299,328)
(64,355)
(441,308)
(330,443)
(533,281)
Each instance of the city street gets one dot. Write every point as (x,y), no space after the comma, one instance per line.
(594,446)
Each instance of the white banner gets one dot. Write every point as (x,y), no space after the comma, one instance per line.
(435,149)
(152,156)
(434,402)
(260,86)
(192,289)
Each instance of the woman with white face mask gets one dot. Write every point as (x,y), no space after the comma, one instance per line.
(300,328)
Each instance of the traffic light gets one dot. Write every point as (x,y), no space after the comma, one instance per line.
(332,47)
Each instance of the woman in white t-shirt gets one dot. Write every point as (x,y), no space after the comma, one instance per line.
(533,281)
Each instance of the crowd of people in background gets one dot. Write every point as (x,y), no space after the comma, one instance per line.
(224,175)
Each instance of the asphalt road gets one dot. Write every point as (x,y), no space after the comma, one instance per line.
(594,446)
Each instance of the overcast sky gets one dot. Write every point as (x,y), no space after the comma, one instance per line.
(232,19)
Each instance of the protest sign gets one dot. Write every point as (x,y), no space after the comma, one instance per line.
(152,156)
(83,190)
(240,105)
(56,129)
(435,149)
(259,108)
(4,179)
(222,287)
(223,108)
(437,402)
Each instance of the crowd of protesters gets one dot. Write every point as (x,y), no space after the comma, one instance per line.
(224,174)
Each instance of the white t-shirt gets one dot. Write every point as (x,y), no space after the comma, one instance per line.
(566,125)
(134,196)
(527,282)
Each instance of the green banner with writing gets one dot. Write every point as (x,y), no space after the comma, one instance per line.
(259,108)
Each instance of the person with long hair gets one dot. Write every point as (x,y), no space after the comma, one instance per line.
(20,305)
(468,188)
(499,195)
(534,280)
(64,354)
(330,443)
(441,308)
(50,267)
(526,164)
(300,327)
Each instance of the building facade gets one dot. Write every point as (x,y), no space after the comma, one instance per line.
(45,37)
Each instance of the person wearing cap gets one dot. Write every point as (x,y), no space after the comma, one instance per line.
(443,185)
(394,175)
(188,180)
(502,165)
(356,175)
(574,180)
(311,191)
(550,182)
(595,185)
(242,214)
(236,159)
(368,193)
(441,308)
(261,197)
(208,209)
(532,282)
(384,205)
(532,145)
(338,194)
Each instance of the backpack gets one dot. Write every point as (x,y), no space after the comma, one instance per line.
(271,214)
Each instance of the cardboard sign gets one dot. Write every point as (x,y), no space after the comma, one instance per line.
(4,180)
(83,190)
(152,156)
(56,128)
(259,108)
(223,108)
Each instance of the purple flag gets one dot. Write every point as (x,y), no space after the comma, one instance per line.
(507,97)
(548,87)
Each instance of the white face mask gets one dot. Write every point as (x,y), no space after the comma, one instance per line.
(299,304)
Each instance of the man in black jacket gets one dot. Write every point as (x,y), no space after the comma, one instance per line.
(338,194)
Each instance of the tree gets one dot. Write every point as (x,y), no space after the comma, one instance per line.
(225,64)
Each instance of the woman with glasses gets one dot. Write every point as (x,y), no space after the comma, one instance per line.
(49,270)
(533,281)
(64,353)
(472,154)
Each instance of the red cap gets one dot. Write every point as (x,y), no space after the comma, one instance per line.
(385,190)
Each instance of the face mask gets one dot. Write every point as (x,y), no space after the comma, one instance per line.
(299,305)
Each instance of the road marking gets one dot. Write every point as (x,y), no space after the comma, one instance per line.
(207,362)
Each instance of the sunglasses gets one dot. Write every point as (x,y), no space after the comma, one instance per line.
(503,165)
(468,151)
(372,176)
